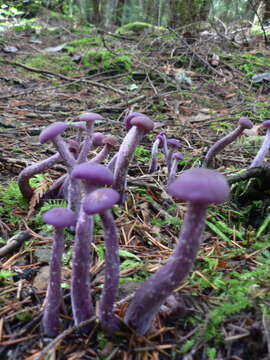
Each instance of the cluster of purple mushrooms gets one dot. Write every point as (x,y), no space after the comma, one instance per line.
(93,187)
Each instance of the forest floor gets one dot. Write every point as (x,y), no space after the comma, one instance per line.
(47,75)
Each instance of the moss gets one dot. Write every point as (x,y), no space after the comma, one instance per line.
(137,28)
(84,43)
(61,64)
(106,61)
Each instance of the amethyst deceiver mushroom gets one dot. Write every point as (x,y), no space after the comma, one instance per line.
(172,145)
(154,152)
(93,175)
(89,119)
(100,202)
(138,126)
(109,142)
(59,218)
(26,174)
(259,158)
(199,187)
(243,123)
(53,133)
(176,157)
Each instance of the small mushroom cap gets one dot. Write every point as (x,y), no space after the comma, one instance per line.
(129,117)
(100,200)
(143,122)
(266,124)
(73,146)
(59,217)
(94,173)
(52,131)
(110,141)
(90,117)
(245,122)
(97,138)
(178,156)
(174,143)
(199,185)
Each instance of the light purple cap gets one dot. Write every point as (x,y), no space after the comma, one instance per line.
(178,156)
(90,117)
(143,122)
(266,124)
(129,117)
(174,143)
(100,200)
(59,217)
(245,122)
(200,185)
(95,173)
(97,138)
(52,131)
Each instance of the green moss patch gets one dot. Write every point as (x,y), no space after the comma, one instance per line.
(137,28)
(83,44)
(106,61)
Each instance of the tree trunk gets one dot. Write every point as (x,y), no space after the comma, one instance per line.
(184,12)
(118,12)
(266,15)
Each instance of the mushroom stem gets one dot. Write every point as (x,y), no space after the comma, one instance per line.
(50,320)
(154,152)
(258,160)
(150,296)
(26,174)
(109,293)
(86,147)
(63,150)
(82,306)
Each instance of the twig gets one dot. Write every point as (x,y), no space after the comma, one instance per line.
(61,337)
(63,77)
(15,242)
(261,172)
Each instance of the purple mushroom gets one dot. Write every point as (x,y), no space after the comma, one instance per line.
(59,218)
(154,151)
(173,144)
(99,202)
(176,157)
(93,175)
(26,174)
(243,123)
(53,133)
(109,142)
(89,119)
(258,160)
(200,188)
(138,126)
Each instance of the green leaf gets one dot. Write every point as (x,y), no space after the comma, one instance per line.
(263,227)
(128,255)
(217,231)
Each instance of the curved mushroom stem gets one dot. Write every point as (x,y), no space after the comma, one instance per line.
(26,174)
(111,163)
(101,156)
(63,150)
(109,293)
(82,306)
(244,123)
(154,152)
(151,295)
(87,144)
(258,160)
(50,320)
(124,157)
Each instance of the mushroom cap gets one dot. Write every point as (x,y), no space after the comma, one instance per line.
(161,137)
(245,122)
(178,156)
(266,124)
(100,200)
(111,141)
(97,138)
(94,173)
(174,143)
(90,117)
(200,185)
(52,131)
(59,217)
(129,117)
(143,122)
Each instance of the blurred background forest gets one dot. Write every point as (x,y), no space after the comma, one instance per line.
(173,13)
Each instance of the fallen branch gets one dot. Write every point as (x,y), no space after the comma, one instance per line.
(14,243)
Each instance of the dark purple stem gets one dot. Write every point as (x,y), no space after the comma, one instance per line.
(30,171)
(82,306)
(50,320)
(109,293)
(151,295)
